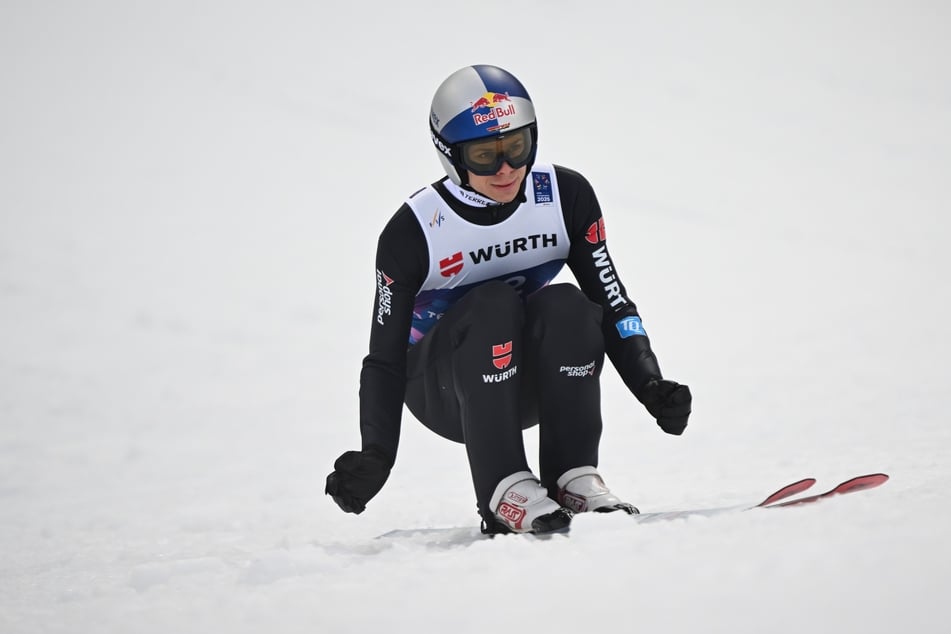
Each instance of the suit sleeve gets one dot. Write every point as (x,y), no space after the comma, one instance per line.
(626,342)
(401,265)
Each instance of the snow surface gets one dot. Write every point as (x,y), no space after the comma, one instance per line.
(186,282)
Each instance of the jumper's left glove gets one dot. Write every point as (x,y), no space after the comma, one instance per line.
(667,401)
(357,477)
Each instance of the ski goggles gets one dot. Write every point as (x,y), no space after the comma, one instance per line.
(484,157)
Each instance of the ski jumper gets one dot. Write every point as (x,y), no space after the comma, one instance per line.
(471,335)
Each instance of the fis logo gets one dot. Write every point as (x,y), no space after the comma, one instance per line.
(384,296)
(630,327)
(437,220)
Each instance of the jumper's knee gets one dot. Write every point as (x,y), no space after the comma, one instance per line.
(563,309)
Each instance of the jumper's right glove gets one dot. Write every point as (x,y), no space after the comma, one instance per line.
(357,477)
(668,402)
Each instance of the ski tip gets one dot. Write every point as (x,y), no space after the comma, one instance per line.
(789,490)
(866,481)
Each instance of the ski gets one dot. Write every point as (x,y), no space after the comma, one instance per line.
(780,499)
(858,483)
(782,493)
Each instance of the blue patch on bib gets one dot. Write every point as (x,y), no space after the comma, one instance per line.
(541,186)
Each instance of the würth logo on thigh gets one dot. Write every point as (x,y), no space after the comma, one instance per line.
(501,359)
(502,355)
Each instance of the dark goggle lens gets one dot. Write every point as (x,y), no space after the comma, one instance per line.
(484,157)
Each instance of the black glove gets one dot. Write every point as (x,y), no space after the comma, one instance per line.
(668,402)
(357,477)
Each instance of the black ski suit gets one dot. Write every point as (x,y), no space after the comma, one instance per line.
(479,357)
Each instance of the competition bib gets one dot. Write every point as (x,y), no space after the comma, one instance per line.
(526,250)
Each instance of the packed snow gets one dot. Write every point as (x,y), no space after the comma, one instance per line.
(190,195)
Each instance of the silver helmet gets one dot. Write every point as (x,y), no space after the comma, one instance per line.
(482,102)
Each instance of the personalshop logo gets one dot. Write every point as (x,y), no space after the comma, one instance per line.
(578,370)
(384,296)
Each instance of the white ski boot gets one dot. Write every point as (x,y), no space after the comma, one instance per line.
(582,489)
(521,505)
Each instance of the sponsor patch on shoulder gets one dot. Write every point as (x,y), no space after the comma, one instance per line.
(384,296)
(630,327)
(541,187)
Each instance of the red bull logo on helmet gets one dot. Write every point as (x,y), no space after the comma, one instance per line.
(492,106)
